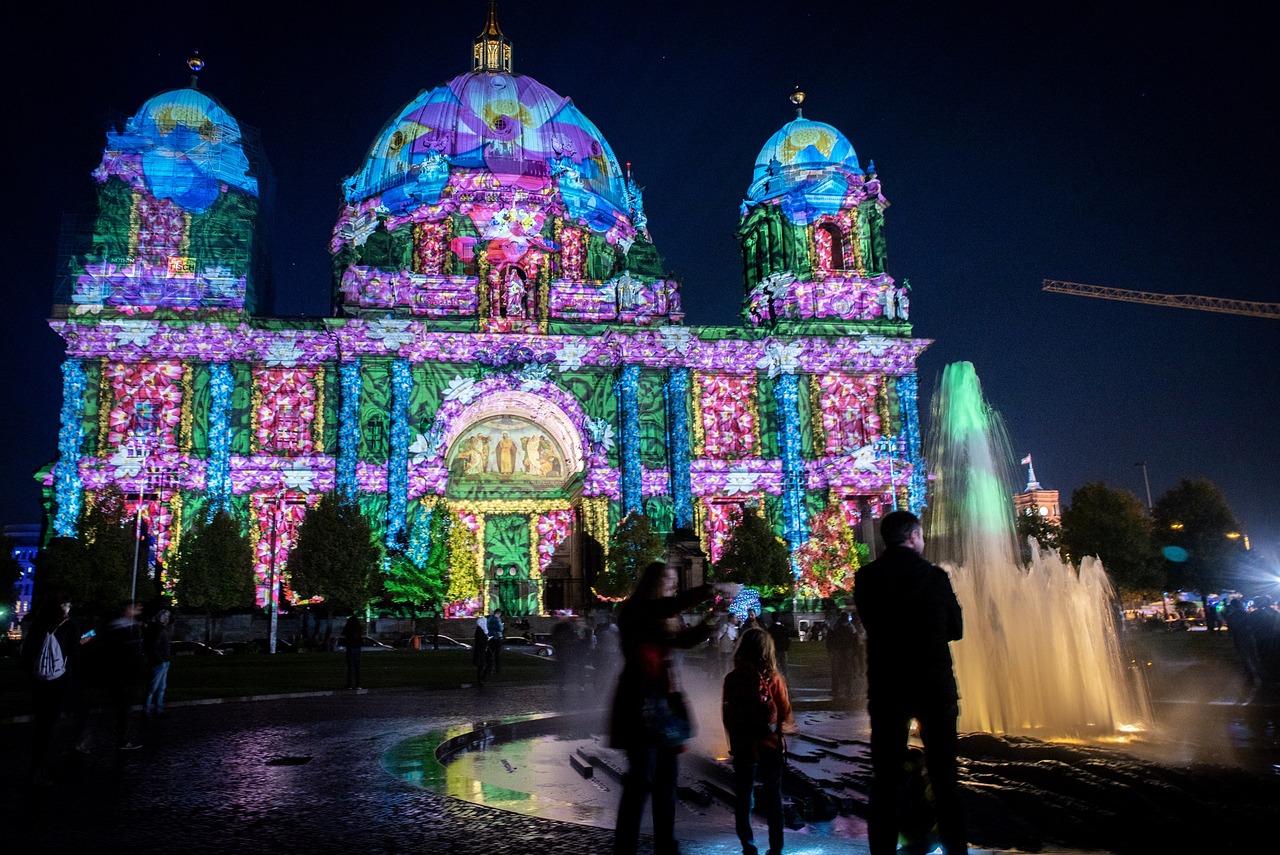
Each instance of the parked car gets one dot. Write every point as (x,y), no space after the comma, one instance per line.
(192,648)
(369,645)
(524,645)
(425,642)
(256,645)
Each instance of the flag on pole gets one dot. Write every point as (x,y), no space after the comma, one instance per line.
(1026,461)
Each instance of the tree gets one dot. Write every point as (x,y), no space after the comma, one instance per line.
(1194,517)
(336,556)
(829,558)
(756,557)
(464,564)
(417,579)
(1034,526)
(96,567)
(634,545)
(1114,526)
(214,572)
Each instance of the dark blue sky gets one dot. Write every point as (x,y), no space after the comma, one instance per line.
(1120,144)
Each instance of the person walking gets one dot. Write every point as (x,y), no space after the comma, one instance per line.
(353,643)
(480,650)
(755,707)
(910,614)
(157,644)
(122,664)
(726,641)
(781,636)
(842,645)
(649,718)
(497,634)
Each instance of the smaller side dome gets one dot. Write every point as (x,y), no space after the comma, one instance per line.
(802,155)
(184,144)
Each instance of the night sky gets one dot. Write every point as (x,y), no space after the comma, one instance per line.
(1127,145)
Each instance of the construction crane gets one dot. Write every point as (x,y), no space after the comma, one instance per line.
(1181,301)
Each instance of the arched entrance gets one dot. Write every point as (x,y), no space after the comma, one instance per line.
(515,464)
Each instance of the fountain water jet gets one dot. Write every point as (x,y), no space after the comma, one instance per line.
(1041,652)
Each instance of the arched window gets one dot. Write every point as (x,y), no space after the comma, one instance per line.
(830,245)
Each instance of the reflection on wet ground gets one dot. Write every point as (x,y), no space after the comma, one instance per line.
(1022,793)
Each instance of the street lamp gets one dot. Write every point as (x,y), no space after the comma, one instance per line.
(138,448)
(1145,481)
(886,448)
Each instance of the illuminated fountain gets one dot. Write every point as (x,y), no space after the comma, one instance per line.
(1041,652)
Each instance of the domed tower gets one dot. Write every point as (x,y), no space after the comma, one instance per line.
(491,203)
(812,236)
(178,207)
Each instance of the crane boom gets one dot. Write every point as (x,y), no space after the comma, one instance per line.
(1181,301)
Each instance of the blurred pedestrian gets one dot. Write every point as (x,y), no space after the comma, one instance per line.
(353,642)
(910,613)
(726,641)
(497,635)
(755,706)
(650,720)
(157,645)
(781,635)
(480,657)
(49,656)
(842,654)
(122,664)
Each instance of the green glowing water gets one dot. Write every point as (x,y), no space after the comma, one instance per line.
(1041,653)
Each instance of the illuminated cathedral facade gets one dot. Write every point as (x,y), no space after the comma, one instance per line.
(504,345)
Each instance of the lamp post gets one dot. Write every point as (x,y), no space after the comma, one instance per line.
(1146,482)
(138,448)
(885,448)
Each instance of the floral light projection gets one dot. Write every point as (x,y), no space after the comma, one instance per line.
(495,271)
(849,419)
(828,559)
(547,532)
(284,409)
(728,420)
(720,517)
(273,532)
(147,402)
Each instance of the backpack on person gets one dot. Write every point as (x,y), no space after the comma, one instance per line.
(51,663)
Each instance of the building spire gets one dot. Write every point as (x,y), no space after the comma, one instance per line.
(492,49)
(1032,483)
(797,98)
(195,63)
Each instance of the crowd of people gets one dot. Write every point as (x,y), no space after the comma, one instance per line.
(73,665)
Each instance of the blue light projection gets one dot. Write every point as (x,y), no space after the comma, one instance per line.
(398,462)
(218,480)
(348,429)
(908,393)
(66,474)
(628,403)
(794,525)
(676,393)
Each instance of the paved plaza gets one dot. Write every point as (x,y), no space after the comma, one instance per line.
(300,774)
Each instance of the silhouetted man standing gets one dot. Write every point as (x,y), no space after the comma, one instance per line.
(910,614)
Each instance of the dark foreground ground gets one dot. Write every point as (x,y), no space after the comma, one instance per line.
(305,774)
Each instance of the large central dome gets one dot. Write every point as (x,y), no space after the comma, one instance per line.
(508,124)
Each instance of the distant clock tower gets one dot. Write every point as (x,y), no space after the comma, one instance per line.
(1035,499)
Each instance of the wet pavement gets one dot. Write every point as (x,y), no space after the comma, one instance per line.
(306,774)
(292,774)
